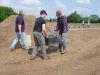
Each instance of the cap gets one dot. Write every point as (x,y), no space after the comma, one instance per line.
(58,12)
(21,12)
(43,11)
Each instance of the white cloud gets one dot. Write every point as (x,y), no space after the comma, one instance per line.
(83,6)
(4,3)
(59,5)
(40,8)
(29,2)
(0,2)
(83,1)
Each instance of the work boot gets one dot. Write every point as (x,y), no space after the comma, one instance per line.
(33,58)
(12,49)
(34,53)
(46,58)
(62,50)
(26,48)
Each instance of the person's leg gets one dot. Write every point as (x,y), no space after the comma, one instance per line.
(60,45)
(64,42)
(36,40)
(35,50)
(41,40)
(15,42)
(43,48)
(24,40)
(60,42)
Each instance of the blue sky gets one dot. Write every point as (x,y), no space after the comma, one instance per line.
(33,7)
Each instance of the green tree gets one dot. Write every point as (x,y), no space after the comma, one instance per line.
(5,12)
(86,19)
(50,20)
(94,18)
(98,21)
(74,17)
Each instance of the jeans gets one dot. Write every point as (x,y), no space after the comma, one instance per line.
(39,42)
(62,41)
(21,37)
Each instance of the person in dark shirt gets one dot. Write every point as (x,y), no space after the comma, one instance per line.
(39,32)
(20,32)
(62,28)
(38,24)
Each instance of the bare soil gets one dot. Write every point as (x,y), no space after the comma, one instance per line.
(82,57)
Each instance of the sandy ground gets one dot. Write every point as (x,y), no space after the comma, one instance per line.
(82,57)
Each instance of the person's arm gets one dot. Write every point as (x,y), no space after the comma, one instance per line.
(44,29)
(20,24)
(56,28)
(19,27)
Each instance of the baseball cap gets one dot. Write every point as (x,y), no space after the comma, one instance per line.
(43,11)
(58,12)
(21,12)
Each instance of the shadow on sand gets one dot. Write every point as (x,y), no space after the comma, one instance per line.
(50,49)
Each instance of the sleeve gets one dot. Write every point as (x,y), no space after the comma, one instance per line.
(57,26)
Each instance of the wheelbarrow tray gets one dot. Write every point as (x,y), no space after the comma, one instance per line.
(51,39)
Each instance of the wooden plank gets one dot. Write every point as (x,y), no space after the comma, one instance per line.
(29,40)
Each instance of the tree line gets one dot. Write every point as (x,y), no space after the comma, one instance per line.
(71,18)
(77,18)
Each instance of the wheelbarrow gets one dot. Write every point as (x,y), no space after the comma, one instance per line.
(51,39)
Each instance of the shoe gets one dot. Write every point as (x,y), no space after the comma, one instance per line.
(26,48)
(12,49)
(63,52)
(33,58)
(46,58)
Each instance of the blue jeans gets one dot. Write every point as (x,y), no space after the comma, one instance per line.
(23,39)
(62,40)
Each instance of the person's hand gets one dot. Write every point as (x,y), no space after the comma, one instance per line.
(45,35)
(55,30)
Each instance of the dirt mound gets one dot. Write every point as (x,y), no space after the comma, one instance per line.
(8,21)
(7,27)
(29,20)
(82,58)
